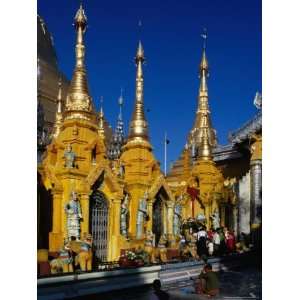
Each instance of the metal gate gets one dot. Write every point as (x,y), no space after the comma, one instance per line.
(99,225)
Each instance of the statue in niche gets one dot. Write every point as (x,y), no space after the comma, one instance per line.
(177,219)
(124,216)
(215,220)
(73,211)
(141,216)
(69,157)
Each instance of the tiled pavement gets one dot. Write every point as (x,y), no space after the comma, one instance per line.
(236,284)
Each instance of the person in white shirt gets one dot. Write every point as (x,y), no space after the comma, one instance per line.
(210,247)
(201,233)
(216,241)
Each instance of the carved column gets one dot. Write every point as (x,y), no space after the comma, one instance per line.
(116,234)
(234,219)
(256,178)
(256,174)
(150,214)
(256,209)
(57,199)
(85,209)
(56,236)
(164,218)
(244,205)
(170,221)
(117,216)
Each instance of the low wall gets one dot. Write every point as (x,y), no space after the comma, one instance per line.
(70,286)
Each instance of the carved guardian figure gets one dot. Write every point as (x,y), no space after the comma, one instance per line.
(73,212)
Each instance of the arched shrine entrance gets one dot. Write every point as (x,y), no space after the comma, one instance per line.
(159,215)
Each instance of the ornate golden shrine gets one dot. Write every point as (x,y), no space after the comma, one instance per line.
(200,176)
(76,160)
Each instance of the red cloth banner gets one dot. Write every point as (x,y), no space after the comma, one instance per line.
(194,193)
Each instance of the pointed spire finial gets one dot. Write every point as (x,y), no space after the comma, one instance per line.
(59,100)
(80,20)
(117,141)
(78,98)
(101,119)
(203,136)
(204,62)
(140,54)
(58,115)
(101,114)
(138,124)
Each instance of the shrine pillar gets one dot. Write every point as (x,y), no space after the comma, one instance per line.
(85,209)
(235,219)
(116,234)
(256,201)
(56,235)
(150,214)
(244,204)
(170,222)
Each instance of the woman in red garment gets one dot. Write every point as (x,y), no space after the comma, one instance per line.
(230,242)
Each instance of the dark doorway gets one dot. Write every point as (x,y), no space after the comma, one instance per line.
(44,214)
(157,223)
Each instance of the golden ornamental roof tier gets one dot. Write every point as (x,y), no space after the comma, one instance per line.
(79,102)
(138,126)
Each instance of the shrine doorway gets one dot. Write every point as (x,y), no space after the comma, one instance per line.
(99,224)
(159,215)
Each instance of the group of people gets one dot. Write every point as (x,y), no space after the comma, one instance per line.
(215,242)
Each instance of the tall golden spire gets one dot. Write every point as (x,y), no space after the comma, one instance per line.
(138,125)
(79,102)
(58,116)
(203,135)
(101,130)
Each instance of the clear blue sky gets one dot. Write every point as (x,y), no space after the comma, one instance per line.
(171,36)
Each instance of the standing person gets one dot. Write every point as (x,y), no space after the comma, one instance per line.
(230,242)
(158,293)
(210,233)
(208,283)
(222,248)
(182,243)
(201,242)
(210,247)
(226,237)
(216,241)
